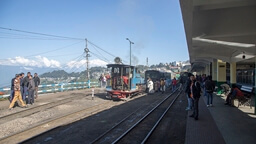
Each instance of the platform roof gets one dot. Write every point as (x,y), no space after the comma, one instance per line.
(219,29)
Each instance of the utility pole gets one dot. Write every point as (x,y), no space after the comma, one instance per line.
(147,61)
(130,50)
(87,61)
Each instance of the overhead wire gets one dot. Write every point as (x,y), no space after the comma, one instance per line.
(62,55)
(36,33)
(55,49)
(99,52)
(7,35)
(73,68)
(101,49)
(47,51)
(99,57)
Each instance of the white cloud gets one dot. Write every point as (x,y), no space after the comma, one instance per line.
(82,63)
(38,61)
(28,68)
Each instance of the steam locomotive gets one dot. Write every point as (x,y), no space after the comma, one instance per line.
(125,81)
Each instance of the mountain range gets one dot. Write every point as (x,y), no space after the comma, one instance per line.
(8,72)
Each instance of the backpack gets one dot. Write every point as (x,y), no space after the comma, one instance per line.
(209,86)
(198,89)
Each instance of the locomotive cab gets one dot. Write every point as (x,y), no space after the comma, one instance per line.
(124,81)
(121,77)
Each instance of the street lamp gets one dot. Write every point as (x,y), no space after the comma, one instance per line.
(130,50)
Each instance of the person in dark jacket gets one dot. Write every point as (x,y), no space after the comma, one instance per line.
(37,83)
(22,85)
(25,83)
(209,88)
(187,91)
(195,93)
(31,88)
(12,88)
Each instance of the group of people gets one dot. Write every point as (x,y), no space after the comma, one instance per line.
(193,92)
(159,85)
(24,86)
(194,84)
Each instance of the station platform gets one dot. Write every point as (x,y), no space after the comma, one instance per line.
(221,124)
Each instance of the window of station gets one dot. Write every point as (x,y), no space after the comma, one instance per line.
(245,77)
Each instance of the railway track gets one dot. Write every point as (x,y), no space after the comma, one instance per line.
(138,126)
(39,108)
(52,123)
(39,129)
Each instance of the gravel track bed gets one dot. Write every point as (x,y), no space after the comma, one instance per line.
(88,129)
(23,123)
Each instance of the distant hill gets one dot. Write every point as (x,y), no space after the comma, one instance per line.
(55,74)
(8,72)
(64,74)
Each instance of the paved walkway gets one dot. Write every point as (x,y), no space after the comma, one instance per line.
(221,124)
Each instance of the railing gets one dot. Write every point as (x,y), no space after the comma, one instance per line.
(51,88)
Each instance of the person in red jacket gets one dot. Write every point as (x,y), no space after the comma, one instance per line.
(235,93)
(174,84)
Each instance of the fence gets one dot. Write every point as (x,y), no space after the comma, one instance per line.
(51,88)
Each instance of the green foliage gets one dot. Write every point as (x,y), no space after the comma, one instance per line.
(56,74)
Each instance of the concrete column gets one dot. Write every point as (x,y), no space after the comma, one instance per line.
(255,85)
(214,71)
(221,74)
(232,73)
(207,70)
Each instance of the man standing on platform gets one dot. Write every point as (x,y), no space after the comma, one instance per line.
(187,91)
(195,90)
(22,86)
(12,89)
(37,83)
(31,90)
(25,83)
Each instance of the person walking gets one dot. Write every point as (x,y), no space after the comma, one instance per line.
(150,86)
(100,80)
(209,88)
(17,94)
(31,90)
(37,83)
(195,92)
(174,84)
(104,81)
(162,85)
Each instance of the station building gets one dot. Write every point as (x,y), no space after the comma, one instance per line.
(221,39)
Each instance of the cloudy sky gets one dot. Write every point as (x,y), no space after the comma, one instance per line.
(155,27)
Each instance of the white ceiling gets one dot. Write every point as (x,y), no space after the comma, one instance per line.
(219,29)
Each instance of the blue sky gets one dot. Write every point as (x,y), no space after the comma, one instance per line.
(155,27)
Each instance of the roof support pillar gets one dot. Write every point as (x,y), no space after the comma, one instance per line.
(207,70)
(232,73)
(214,71)
(255,85)
(221,74)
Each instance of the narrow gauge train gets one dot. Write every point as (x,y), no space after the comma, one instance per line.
(125,81)
(157,75)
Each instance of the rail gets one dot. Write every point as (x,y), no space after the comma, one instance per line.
(51,88)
